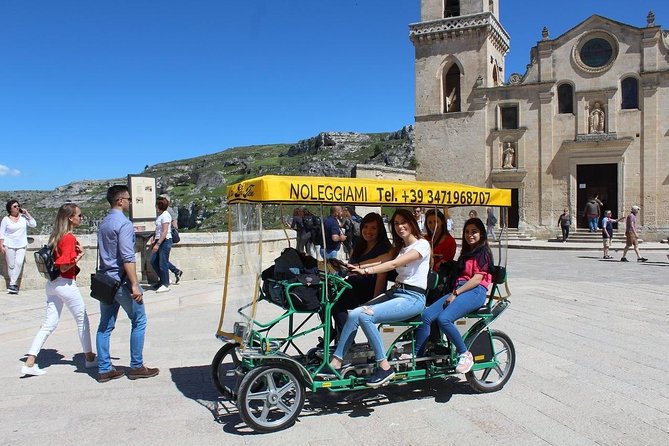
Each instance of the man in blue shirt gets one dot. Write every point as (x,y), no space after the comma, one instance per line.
(116,246)
(333,233)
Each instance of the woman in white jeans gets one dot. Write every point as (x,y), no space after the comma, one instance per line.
(63,290)
(14,240)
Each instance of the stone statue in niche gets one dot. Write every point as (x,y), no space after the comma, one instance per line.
(508,158)
(596,119)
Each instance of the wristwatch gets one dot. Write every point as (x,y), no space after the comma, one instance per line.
(455,293)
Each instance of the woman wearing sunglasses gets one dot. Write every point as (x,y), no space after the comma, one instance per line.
(14,240)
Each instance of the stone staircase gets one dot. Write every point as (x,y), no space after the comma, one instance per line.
(582,235)
(515,235)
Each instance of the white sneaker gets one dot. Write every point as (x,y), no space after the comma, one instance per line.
(91,364)
(32,371)
(465,362)
(163,289)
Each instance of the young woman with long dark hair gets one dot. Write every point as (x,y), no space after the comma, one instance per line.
(410,256)
(373,242)
(474,268)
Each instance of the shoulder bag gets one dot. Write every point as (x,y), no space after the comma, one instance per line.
(103,287)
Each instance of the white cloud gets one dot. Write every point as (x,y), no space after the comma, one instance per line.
(6,171)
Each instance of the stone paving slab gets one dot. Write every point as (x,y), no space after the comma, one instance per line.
(592,360)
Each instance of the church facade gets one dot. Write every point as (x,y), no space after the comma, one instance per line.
(589,117)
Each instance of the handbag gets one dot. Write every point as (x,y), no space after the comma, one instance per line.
(176,238)
(104,288)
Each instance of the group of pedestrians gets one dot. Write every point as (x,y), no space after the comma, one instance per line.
(592,212)
(341,229)
(116,258)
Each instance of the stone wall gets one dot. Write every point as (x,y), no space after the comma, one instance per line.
(199,255)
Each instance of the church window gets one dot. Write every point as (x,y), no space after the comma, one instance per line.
(595,51)
(509,116)
(451,8)
(630,93)
(565,99)
(451,79)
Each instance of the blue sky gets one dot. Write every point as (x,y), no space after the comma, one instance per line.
(93,89)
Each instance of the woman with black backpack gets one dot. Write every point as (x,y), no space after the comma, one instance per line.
(63,290)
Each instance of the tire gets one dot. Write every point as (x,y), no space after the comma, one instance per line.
(494,378)
(270,398)
(225,370)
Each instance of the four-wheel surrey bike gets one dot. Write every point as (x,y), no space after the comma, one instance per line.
(276,332)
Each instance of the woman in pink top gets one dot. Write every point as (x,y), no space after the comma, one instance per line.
(474,266)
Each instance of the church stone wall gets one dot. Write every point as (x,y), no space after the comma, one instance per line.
(549,147)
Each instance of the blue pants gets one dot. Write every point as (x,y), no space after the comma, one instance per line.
(401,304)
(592,223)
(463,304)
(108,314)
(160,261)
(329,254)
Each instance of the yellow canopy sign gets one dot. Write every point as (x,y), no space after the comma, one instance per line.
(363,191)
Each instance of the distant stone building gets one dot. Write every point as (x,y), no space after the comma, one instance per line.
(589,116)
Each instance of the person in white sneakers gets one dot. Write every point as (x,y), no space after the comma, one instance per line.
(474,268)
(14,240)
(162,245)
(63,290)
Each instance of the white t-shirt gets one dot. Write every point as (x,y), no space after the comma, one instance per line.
(165,217)
(415,273)
(15,235)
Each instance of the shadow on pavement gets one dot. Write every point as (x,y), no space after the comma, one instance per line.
(361,403)
(195,383)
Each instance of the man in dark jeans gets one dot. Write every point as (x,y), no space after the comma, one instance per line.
(116,248)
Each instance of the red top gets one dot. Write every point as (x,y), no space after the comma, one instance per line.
(67,254)
(472,268)
(444,251)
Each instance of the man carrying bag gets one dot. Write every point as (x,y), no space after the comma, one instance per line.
(116,248)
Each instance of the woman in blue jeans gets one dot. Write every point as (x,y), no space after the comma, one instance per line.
(410,256)
(162,245)
(474,266)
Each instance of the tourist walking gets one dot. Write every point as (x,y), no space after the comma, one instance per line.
(491,223)
(162,245)
(564,222)
(174,225)
(632,236)
(591,213)
(14,241)
(116,246)
(607,231)
(63,290)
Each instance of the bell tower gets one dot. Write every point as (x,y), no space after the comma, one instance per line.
(460,47)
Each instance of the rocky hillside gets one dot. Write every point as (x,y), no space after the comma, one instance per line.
(197,185)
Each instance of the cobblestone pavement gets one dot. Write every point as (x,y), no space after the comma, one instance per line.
(592,345)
